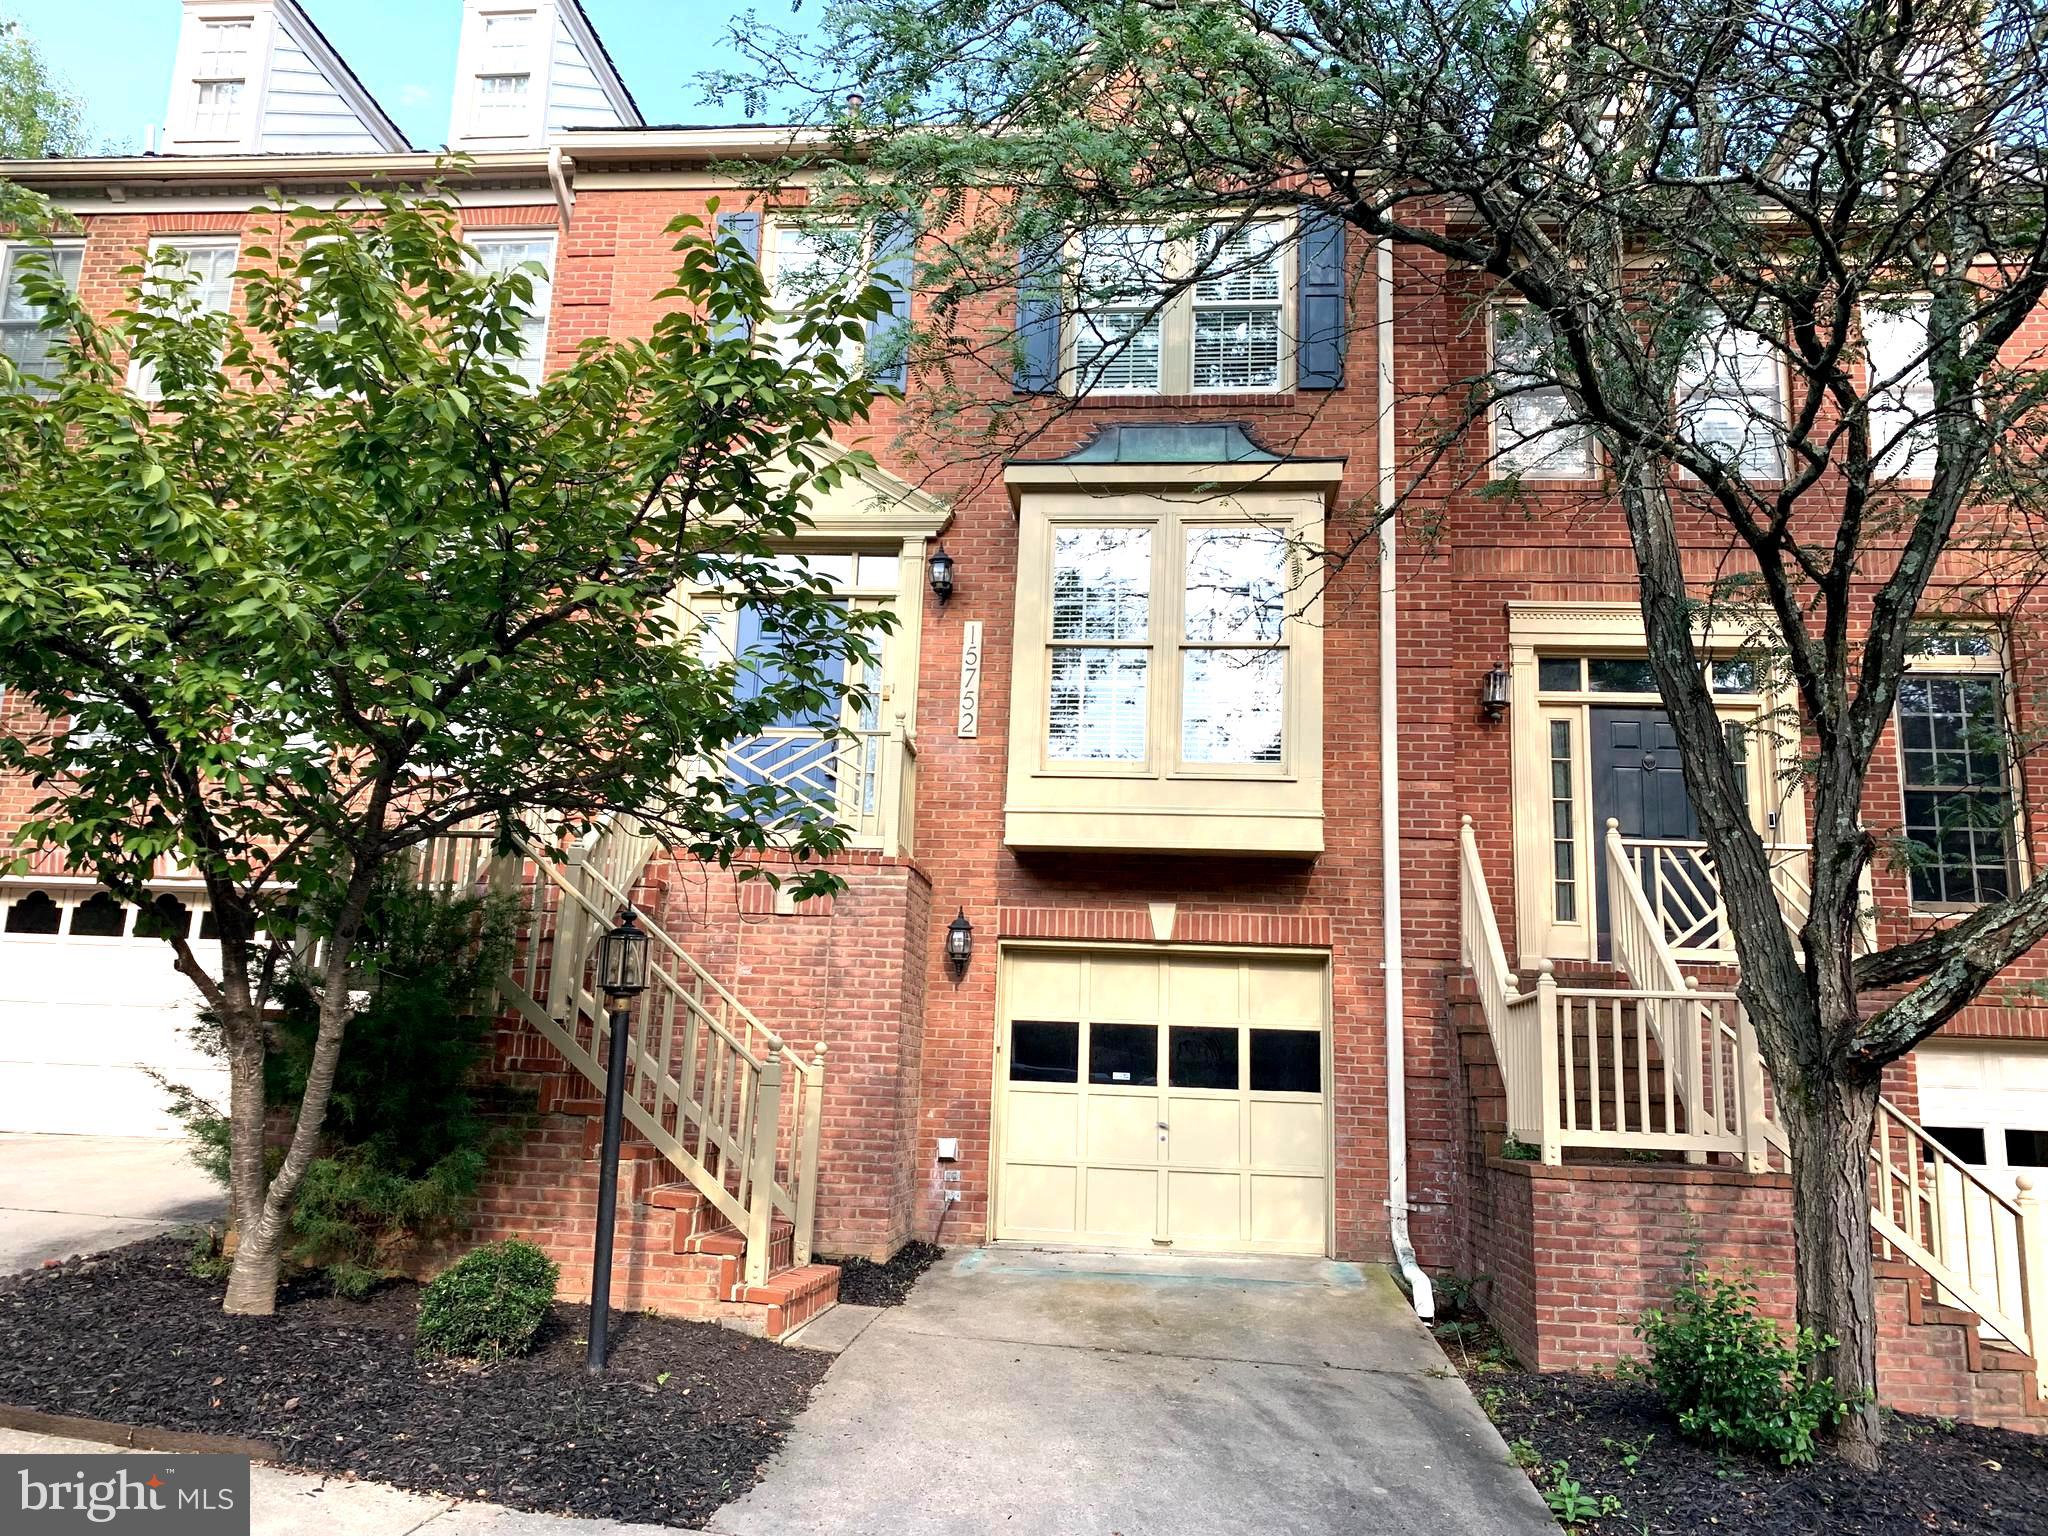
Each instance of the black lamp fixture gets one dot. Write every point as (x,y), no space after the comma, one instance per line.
(959,941)
(621,977)
(939,572)
(622,958)
(1493,693)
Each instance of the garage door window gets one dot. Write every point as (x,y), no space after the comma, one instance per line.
(1124,1053)
(33,913)
(1286,1061)
(99,916)
(1044,1053)
(1201,1056)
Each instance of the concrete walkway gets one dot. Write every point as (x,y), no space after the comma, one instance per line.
(61,1195)
(1118,1395)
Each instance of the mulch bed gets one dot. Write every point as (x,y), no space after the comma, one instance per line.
(1934,1477)
(864,1283)
(681,1422)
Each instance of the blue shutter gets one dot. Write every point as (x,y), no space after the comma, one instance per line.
(1038,317)
(895,270)
(746,229)
(1320,318)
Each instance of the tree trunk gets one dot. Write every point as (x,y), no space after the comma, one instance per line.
(252,1275)
(248,1289)
(1830,1126)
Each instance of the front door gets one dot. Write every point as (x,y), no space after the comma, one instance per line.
(1639,781)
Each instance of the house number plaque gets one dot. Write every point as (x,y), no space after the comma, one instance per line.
(970,678)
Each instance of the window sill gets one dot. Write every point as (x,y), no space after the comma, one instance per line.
(1174,829)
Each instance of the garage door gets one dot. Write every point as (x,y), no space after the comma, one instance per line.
(1988,1104)
(89,1007)
(1164,1100)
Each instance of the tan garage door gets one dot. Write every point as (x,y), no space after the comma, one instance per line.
(1155,1100)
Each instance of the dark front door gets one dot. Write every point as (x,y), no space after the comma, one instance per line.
(1639,781)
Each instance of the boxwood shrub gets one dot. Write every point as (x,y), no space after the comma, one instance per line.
(488,1305)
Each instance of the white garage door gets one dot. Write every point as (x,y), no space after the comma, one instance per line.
(1988,1104)
(1164,1100)
(88,1007)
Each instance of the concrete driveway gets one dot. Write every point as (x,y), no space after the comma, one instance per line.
(61,1195)
(1114,1395)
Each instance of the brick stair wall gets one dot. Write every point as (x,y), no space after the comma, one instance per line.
(1574,1254)
(673,1253)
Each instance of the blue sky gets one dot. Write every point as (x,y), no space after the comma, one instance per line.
(117,54)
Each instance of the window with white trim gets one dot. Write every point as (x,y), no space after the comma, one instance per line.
(23,340)
(807,262)
(1221,591)
(220,77)
(500,254)
(502,89)
(1533,433)
(1138,325)
(206,288)
(1959,806)
(1731,399)
(1901,389)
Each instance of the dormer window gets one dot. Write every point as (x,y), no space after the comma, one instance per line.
(220,78)
(504,80)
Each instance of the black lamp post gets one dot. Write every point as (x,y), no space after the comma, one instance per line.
(621,976)
(938,570)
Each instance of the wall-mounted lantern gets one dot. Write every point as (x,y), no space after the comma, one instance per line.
(939,572)
(959,942)
(1493,692)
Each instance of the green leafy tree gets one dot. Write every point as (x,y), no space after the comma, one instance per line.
(39,117)
(1640,175)
(351,581)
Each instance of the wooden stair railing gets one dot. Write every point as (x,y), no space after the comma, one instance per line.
(1928,1206)
(734,1109)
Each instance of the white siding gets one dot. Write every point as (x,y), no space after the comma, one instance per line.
(575,98)
(304,112)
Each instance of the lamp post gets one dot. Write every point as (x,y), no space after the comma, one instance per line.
(621,976)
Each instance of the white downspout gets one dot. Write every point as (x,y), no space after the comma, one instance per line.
(1419,1290)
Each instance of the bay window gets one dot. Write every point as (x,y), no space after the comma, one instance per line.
(1166,693)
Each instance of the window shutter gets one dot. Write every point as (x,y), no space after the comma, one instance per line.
(1038,317)
(1320,316)
(745,228)
(895,270)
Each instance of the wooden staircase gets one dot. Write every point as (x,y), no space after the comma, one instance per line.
(718,1163)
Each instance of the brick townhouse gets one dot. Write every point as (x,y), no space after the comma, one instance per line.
(1156,929)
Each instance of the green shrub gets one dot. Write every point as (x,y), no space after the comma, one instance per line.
(408,1132)
(488,1305)
(1729,1376)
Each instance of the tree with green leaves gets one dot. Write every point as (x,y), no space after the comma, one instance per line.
(1676,195)
(39,117)
(301,589)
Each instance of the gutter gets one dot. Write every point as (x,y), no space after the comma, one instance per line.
(1394,965)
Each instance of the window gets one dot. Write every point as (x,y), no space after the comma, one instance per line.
(219,76)
(1237,308)
(1564,888)
(1731,399)
(23,340)
(805,264)
(1138,325)
(1124,1054)
(34,912)
(500,254)
(99,916)
(1901,390)
(1101,644)
(1532,431)
(1958,800)
(1119,325)
(1966,1142)
(1286,1061)
(504,78)
(1043,1052)
(208,288)
(1201,1056)
(1233,665)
